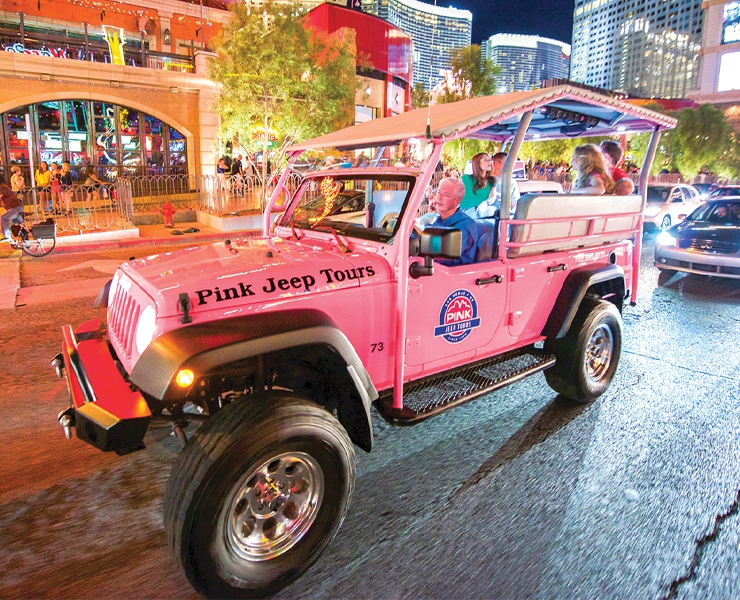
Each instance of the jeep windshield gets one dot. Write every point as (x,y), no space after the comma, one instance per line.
(366,206)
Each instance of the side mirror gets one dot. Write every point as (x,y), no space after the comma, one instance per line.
(436,242)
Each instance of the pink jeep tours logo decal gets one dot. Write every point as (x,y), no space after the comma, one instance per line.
(458,317)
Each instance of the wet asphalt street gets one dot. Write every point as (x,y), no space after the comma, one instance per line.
(516,495)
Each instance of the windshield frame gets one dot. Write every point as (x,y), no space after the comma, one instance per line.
(375,234)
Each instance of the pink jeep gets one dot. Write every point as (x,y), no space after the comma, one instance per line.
(281,344)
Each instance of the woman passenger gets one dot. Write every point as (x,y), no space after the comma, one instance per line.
(479,185)
(591,174)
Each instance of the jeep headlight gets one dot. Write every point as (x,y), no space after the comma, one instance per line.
(146,328)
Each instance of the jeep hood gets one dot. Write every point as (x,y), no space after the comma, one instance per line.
(251,270)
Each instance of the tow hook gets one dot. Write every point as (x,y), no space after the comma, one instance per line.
(58,364)
(67,421)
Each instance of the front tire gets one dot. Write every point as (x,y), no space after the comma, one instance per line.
(257,494)
(588,355)
(665,224)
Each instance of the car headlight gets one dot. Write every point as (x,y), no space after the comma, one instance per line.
(666,239)
(652,211)
(146,328)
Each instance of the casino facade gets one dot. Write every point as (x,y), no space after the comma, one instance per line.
(124,87)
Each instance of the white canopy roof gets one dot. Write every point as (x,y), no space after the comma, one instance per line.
(562,111)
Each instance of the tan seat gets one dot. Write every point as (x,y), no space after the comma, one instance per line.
(582,210)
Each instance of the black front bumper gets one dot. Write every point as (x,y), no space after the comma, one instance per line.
(105,412)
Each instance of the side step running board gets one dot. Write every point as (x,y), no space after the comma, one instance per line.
(430,396)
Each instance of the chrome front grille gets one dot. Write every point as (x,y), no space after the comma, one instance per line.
(709,245)
(123,314)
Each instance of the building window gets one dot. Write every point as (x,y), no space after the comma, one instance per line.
(115,139)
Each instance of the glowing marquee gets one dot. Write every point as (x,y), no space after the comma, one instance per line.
(330,191)
(115,38)
(19,48)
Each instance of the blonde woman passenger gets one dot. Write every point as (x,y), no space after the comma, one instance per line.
(591,174)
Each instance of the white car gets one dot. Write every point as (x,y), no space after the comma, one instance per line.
(669,204)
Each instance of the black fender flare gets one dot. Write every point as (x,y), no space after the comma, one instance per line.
(203,347)
(574,289)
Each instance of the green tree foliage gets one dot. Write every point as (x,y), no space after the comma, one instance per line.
(276,74)
(458,152)
(554,151)
(703,136)
(702,139)
(471,76)
(419,96)
(727,166)
(638,145)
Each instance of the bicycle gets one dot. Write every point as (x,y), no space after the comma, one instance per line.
(38,240)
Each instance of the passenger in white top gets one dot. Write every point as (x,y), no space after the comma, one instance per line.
(493,204)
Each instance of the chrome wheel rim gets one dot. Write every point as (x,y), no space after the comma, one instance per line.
(274,506)
(599,351)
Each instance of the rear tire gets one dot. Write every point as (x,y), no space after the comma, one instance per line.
(588,355)
(38,247)
(257,494)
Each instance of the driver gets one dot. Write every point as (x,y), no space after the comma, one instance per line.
(449,195)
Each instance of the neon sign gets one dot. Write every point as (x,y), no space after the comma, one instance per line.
(115,38)
(330,191)
(19,48)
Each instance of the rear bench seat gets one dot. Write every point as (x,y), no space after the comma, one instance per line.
(581,210)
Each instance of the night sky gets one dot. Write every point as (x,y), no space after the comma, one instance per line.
(546,18)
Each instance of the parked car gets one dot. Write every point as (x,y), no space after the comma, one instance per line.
(342,206)
(668,205)
(706,243)
(724,190)
(704,189)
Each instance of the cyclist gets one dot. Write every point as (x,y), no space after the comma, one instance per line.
(13,207)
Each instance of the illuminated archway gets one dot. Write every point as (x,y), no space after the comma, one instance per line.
(116,139)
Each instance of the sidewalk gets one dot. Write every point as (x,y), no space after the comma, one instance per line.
(144,235)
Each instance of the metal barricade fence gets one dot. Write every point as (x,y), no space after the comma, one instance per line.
(85,208)
(79,207)
(212,193)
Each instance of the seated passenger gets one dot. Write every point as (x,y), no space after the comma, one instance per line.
(479,185)
(492,205)
(591,175)
(449,195)
(613,153)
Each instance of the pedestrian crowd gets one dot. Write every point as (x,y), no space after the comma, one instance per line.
(57,186)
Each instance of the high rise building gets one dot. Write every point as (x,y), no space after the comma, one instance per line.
(435,31)
(526,60)
(719,81)
(643,47)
